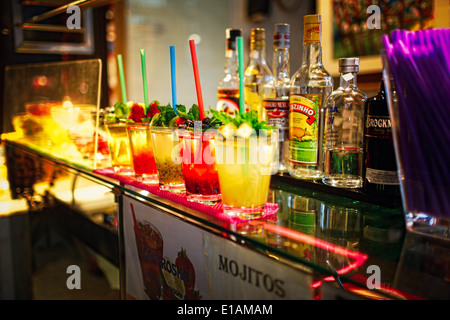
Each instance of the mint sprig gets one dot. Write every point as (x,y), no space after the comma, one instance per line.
(164,117)
(250,117)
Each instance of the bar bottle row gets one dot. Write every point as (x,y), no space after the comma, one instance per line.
(325,135)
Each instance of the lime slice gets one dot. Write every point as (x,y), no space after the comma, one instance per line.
(174,283)
(173,122)
(227,130)
(245,130)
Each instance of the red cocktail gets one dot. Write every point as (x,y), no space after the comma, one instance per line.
(198,163)
(142,152)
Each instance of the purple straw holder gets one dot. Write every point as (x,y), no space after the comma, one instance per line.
(423,166)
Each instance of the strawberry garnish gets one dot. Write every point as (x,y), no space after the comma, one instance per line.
(152,110)
(137,112)
(180,121)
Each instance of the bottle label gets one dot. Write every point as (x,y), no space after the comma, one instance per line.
(304,127)
(382,176)
(379,126)
(228,100)
(229,105)
(252,98)
(277,110)
(312,32)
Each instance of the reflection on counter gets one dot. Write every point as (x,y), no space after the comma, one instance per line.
(340,235)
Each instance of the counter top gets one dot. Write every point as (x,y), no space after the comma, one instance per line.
(352,240)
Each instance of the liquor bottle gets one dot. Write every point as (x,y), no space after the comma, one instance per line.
(228,87)
(344,130)
(257,73)
(309,88)
(380,162)
(276,93)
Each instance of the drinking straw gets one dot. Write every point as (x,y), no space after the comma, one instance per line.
(197,79)
(419,63)
(173,77)
(240,46)
(144,79)
(122,78)
(136,225)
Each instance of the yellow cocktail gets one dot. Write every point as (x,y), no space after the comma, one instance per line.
(167,158)
(119,148)
(245,166)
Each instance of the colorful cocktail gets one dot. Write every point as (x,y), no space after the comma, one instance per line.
(142,152)
(167,158)
(245,166)
(197,153)
(119,148)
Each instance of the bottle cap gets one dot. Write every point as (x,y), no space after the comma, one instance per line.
(348,65)
(231,35)
(281,37)
(312,28)
(257,38)
(312,18)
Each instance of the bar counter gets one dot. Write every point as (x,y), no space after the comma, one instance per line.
(316,243)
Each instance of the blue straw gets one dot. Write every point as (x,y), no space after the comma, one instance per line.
(174,83)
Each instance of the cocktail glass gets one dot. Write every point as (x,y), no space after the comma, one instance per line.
(167,158)
(197,153)
(119,148)
(150,250)
(142,152)
(245,166)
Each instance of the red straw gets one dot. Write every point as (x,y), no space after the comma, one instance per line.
(197,79)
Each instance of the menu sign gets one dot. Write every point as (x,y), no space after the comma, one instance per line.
(169,259)
(163,255)
(240,273)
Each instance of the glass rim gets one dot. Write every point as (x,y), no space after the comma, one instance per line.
(162,129)
(211,132)
(138,124)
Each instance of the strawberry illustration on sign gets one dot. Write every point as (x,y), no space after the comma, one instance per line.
(188,274)
(184,263)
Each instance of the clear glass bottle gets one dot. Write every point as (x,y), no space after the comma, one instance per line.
(276,92)
(228,87)
(309,88)
(257,73)
(344,130)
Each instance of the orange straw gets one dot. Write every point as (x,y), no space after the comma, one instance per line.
(197,79)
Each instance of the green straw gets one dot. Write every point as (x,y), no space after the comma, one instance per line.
(144,79)
(240,46)
(122,78)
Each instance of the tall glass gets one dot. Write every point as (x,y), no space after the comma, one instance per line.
(197,153)
(149,244)
(119,148)
(245,167)
(167,158)
(142,152)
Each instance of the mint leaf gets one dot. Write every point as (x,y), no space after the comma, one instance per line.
(195,112)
